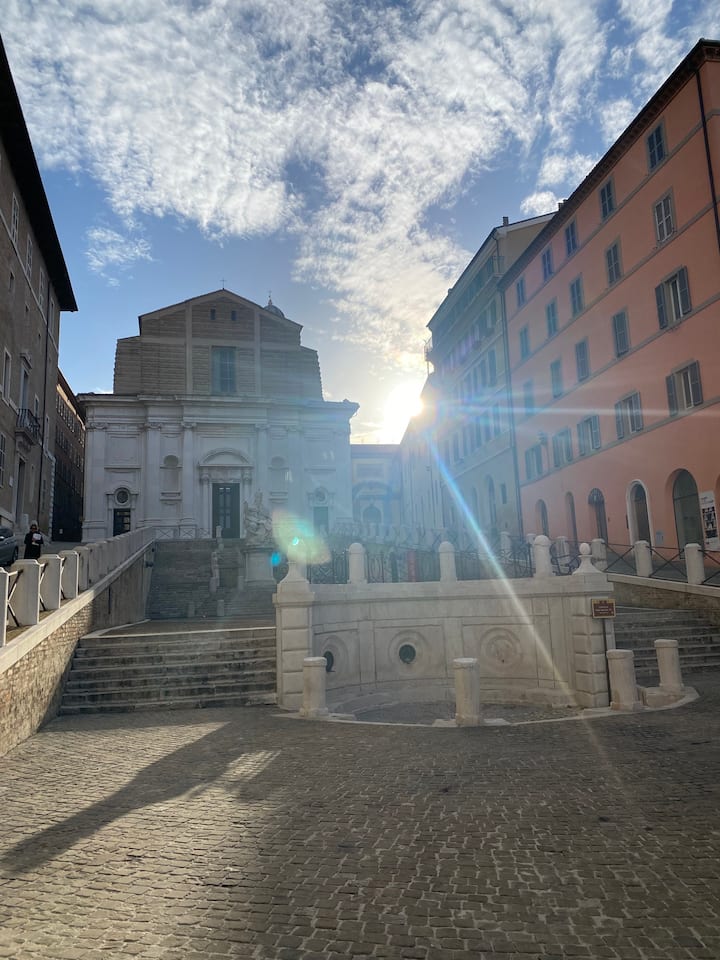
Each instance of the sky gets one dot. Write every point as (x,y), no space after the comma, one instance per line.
(346,159)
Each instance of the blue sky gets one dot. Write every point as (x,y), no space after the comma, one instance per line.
(348,157)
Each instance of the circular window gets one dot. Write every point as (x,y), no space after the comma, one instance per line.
(122,495)
(329,661)
(407,653)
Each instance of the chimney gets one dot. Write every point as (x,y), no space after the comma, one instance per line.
(506,221)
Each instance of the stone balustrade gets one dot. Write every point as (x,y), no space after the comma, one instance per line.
(33,587)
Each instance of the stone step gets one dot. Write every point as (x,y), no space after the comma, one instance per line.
(119,667)
(177,703)
(164,684)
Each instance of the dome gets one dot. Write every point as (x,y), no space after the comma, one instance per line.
(271,308)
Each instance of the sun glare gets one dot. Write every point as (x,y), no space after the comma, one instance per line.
(403,402)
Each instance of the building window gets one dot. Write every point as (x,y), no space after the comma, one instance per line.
(41,291)
(14,220)
(588,431)
(456,448)
(492,368)
(556,378)
(684,389)
(577,301)
(551,316)
(612,260)
(547,264)
(621,334)
(2,459)
(520,290)
(628,416)
(7,375)
(497,422)
(28,256)
(571,240)
(52,318)
(607,199)
(656,147)
(524,343)
(582,360)
(533,462)
(664,225)
(223,370)
(672,297)
(503,493)
(562,448)
(528,398)
(213,314)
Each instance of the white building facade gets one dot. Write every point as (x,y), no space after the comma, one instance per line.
(215,402)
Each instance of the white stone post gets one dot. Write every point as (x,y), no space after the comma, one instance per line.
(26,596)
(623,685)
(50,582)
(467,692)
(598,552)
(668,659)
(541,557)
(694,563)
(643,558)
(4,586)
(83,567)
(448,572)
(585,567)
(70,573)
(356,563)
(313,704)
(293,603)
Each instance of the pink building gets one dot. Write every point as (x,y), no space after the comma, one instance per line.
(613,318)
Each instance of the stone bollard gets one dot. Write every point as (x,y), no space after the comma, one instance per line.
(668,659)
(467,692)
(643,558)
(623,685)
(694,563)
(356,563)
(448,572)
(541,557)
(26,596)
(313,702)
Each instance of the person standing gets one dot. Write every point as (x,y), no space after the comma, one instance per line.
(33,543)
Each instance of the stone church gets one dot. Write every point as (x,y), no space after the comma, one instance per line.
(215,405)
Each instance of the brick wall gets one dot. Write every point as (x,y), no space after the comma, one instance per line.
(31,687)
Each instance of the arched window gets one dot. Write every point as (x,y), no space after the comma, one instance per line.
(541,517)
(686,504)
(639,519)
(597,505)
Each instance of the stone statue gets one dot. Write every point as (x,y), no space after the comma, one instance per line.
(258,522)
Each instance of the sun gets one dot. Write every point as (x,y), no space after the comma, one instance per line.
(403,402)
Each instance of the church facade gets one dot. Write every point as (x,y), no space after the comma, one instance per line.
(216,405)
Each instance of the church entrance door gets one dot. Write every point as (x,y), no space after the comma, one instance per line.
(226,509)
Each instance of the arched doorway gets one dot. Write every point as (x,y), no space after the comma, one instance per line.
(492,504)
(639,517)
(686,505)
(372,514)
(570,514)
(541,518)
(597,505)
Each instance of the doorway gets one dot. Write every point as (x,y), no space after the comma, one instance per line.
(686,503)
(597,503)
(640,517)
(226,510)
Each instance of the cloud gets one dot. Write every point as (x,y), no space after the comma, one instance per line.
(337,123)
(108,249)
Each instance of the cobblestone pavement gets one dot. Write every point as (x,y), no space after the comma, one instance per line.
(242,833)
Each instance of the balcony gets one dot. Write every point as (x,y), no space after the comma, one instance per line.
(28,426)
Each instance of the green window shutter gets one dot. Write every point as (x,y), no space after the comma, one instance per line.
(684,291)
(672,395)
(661,308)
(695,384)
(619,423)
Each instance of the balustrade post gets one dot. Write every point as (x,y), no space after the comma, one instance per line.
(26,596)
(623,685)
(541,557)
(50,587)
(643,558)
(83,567)
(448,573)
(467,692)
(356,563)
(4,590)
(70,572)
(694,563)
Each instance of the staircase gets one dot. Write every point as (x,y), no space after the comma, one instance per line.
(200,579)
(172,666)
(637,628)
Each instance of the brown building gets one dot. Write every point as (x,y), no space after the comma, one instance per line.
(69,464)
(34,288)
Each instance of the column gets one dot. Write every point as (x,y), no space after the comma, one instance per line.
(188,517)
(151,469)
(97,521)
(261,460)
(206,505)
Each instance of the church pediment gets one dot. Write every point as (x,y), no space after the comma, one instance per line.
(225,458)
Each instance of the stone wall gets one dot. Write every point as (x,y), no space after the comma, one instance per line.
(535,639)
(667,595)
(34,665)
